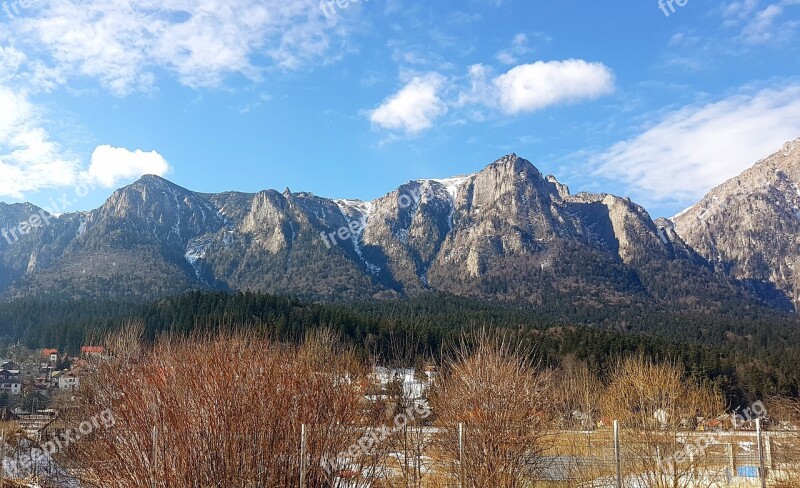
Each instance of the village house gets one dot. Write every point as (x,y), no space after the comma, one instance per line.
(50,355)
(88,352)
(9,383)
(68,380)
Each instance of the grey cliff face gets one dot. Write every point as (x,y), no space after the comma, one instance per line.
(506,232)
(749,227)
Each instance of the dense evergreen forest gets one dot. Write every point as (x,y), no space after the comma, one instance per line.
(748,353)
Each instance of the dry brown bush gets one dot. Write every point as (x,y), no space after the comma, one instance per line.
(222,411)
(656,406)
(784,414)
(500,395)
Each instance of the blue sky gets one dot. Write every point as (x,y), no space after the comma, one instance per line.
(352,102)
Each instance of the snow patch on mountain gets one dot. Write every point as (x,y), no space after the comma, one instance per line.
(361,210)
(81,227)
(196,250)
(683,212)
(349,207)
(453,184)
(662,235)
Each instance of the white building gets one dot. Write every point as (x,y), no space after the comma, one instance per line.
(68,381)
(11,387)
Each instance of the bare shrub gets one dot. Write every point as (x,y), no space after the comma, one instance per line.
(784,415)
(495,389)
(222,411)
(576,402)
(583,453)
(658,409)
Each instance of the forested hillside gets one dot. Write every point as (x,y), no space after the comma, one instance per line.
(748,353)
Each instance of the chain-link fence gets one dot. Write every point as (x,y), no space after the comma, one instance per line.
(470,456)
(635,458)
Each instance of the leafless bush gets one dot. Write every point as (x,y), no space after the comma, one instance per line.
(223,411)
(657,406)
(784,415)
(499,394)
(576,402)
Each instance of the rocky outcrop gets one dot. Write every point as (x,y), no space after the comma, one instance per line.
(506,232)
(749,227)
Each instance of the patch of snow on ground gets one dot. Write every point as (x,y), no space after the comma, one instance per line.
(348,207)
(81,228)
(682,212)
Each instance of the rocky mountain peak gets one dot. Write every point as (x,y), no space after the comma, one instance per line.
(505,232)
(749,227)
(791,147)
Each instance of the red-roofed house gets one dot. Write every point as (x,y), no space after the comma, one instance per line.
(50,354)
(92,351)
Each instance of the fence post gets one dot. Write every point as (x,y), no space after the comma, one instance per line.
(3,460)
(303,456)
(731,458)
(768,451)
(617,454)
(762,472)
(461,454)
(153,458)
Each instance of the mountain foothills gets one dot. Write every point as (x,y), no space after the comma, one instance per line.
(505,233)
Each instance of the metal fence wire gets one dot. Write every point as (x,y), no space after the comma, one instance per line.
(472,456)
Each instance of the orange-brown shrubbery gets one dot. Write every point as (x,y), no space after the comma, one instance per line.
(227,412)
(500,396)
(220,412)
(655,405)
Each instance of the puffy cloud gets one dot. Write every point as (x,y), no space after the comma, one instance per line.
(29,159)
(523,89)
(695,148)
(414,108)
(110,165)
(532,87)
(123,44)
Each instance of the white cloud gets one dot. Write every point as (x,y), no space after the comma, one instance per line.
(520,47)
(414,108)
(532,87)
(698,147)
(761,25)
(123,44)
(32,160)
(110,165)
(29,159)
(523,89)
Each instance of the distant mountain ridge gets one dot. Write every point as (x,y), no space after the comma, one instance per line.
(749,227)
(506,232)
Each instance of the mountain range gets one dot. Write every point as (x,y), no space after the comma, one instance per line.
(507,232)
